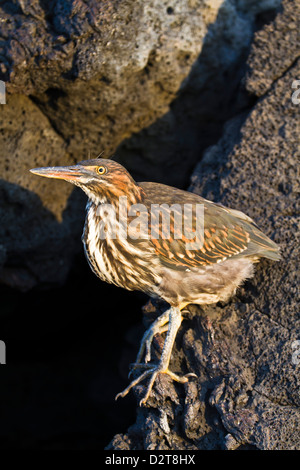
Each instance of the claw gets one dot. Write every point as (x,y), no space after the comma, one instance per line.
(191,374)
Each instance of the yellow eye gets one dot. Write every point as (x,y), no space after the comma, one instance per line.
(101,170)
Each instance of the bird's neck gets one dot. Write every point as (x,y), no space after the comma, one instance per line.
(112,212)
(117,199)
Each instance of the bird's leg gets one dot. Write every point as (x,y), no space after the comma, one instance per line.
(163,365)
(160,325)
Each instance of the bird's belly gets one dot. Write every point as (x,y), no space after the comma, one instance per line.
(207,285)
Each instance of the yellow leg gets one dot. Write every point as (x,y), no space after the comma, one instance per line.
(160,325)
(163,366)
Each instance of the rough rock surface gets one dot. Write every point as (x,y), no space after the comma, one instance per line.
(77,82)
(244,353)
(80,76)
(36,238)
(83,76)
(276,48)
(87,64)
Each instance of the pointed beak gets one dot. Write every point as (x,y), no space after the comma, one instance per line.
(69,173)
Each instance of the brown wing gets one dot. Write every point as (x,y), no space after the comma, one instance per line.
(226,232)
(216,243)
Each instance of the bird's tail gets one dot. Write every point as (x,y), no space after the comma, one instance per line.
(263,245)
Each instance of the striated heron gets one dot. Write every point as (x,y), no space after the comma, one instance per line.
(140,236)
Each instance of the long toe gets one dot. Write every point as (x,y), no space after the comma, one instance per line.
(133,384)
(152,371)
(177,378)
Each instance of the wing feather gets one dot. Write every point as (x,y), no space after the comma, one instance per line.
(227,232)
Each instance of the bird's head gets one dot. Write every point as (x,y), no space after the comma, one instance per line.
(101,179)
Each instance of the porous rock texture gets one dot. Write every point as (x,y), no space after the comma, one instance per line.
(165,76)
(245,353)
(82,76)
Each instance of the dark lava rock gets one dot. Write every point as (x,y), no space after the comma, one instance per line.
(157,80)
(247,391)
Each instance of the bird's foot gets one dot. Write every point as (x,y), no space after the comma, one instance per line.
(173,318)
(152,371)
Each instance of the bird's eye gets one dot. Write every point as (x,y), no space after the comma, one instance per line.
(101,170)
